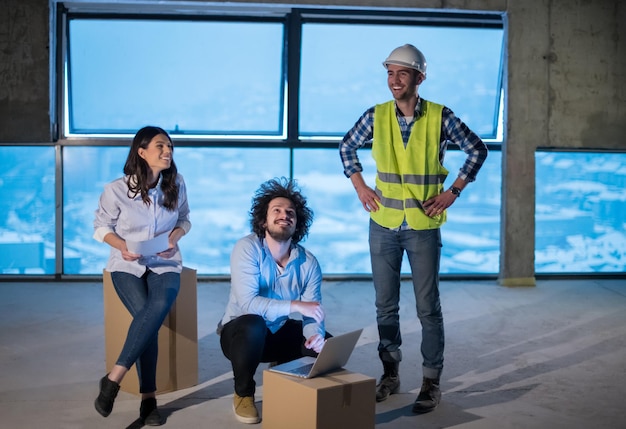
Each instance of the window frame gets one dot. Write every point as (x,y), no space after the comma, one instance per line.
(293,18)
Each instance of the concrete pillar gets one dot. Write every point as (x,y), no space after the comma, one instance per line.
(526,107)
(24,71)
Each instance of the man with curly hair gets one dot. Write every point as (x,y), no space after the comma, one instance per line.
(272,276)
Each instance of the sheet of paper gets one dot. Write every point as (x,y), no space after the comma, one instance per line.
(149,247)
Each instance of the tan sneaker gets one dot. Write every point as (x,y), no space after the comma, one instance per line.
(245,410)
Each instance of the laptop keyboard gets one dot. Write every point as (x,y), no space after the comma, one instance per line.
(302,370)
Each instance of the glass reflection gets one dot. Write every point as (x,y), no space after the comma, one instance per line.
(27,216)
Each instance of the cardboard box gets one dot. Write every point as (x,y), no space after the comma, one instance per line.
(177,364)
(338,400)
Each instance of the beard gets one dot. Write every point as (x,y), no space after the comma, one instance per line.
(280,234)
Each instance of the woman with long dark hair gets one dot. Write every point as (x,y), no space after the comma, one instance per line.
(149,201)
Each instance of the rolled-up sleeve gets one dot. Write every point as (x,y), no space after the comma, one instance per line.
(455,131)
(312,293)
(183,206)
(106,214)
(356,138)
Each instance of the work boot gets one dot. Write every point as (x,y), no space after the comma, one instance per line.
(389,382)
(245,410)
(149,413)
(429,396)
(106,397)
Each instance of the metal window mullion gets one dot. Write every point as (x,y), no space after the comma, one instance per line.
(61,80)
(58,212)
(293,43)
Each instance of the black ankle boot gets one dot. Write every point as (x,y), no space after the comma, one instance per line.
(149,413)
(108,392)
(390,381)
(429,396)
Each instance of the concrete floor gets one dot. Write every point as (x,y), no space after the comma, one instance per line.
(552,356)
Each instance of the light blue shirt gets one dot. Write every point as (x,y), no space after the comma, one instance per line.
(132,219)
(258,287)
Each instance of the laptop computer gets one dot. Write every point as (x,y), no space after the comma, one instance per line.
(334,355)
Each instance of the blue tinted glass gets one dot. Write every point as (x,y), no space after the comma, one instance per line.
(194,77)
(220,186)
(471,236)
(86,171)
(27,212)
(580,212)
(581,207)
(339,235)
(342,73)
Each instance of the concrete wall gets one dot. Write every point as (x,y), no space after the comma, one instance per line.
(24,71)
(566,61)
(565,74)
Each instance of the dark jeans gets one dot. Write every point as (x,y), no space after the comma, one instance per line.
(247,342)
(148,299)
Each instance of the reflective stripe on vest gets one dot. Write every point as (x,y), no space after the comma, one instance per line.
(406,177)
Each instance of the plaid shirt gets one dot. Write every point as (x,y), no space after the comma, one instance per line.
(453,130)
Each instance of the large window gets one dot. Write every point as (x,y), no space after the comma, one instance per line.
(217,77)
(342,72)
(339,236)
(265,95)
(220,184)
(189,77)
(580,212)
(580,209)
(27,215)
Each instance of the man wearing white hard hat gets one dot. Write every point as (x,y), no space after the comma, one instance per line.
(407,207)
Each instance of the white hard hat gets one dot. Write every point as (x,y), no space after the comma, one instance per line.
(407,56)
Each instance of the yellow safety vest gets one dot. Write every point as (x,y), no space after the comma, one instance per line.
(406,177)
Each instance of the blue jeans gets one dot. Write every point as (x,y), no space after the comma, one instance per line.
(247,342)
(148,300)
(423,249)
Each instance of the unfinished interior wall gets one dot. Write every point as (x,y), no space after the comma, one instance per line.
(24,72)
(565,64)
